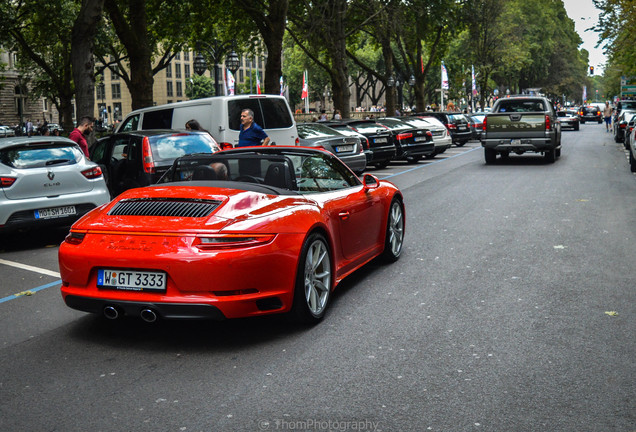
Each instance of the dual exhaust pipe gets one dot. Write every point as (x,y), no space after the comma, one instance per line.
(112,313)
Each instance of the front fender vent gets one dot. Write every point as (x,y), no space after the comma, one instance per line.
(164,207)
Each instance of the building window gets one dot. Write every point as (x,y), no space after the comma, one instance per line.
(241,75)
(186,55)
(177,70)
(114,73)
(177,56)
(169,91)
(186,70)
(179,88)
(116,90)
(169,71)
(100,92)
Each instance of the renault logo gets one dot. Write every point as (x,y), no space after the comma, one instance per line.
(51,175)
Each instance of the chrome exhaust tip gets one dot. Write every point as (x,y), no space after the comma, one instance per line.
(148,315)
(111,312)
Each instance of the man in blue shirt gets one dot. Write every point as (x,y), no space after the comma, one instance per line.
(251,134)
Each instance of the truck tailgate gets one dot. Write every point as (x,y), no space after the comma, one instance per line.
(515,125)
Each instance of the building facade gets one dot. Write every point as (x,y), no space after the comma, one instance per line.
(17,104)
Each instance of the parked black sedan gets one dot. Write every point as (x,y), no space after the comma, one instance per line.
(412,144)
(621,124)
(349,149)
(382,149)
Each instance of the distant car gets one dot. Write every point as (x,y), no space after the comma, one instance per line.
(139,158)
(382,149)
(629,129)
(277,235)
(348,148)
(441,136)
(411,143)
(620,125)
(568,119)
(54,126)
(6,131)
(590,113)
(46,181)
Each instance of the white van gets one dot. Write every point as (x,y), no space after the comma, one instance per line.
(220,116)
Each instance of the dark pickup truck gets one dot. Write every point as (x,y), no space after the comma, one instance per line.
(521,124)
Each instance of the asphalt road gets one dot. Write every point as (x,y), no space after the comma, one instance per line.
(511,309)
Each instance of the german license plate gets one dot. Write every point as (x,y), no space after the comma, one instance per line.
(419,139)
(344,148)
(379,140)
(131,280)
(515,142)
(55,212)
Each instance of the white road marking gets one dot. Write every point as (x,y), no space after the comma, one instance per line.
(30,268)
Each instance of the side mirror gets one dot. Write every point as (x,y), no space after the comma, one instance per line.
(370,182)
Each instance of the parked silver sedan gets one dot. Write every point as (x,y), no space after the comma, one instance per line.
(46,180)
(6,131)
(348,148)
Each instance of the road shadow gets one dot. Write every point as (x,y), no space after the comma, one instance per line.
(32,239)
(132,333)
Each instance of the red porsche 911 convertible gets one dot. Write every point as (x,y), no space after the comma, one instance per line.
(238,233)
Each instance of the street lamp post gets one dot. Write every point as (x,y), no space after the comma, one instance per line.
(102,110)
(233,62)
(215,52)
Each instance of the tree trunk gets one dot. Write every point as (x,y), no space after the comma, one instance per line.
(82,47)
(134,36)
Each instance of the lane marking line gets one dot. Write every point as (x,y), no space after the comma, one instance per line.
(30,268)
(33,290)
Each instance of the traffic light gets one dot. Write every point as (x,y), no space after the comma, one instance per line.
(591,70)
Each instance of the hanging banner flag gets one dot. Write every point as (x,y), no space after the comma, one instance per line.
(584,93)
(305,92)
(444,78)
(230,83)
(474,84)
(258,83)
(282,90)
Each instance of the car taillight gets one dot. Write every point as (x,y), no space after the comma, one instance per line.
(92,173)
(547,122)
(451,126)
(75,238)
(225,146)
(478,125)
(483,124)
(149,163)
(365,143)
(622,125)
(405,135)
(6,182)
(429,134)
(232,241)
(297,141)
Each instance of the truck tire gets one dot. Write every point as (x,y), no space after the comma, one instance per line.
(490,155)
(550,156)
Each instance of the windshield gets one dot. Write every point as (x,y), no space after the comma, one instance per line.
(40,156)
(315,130)
(170,147)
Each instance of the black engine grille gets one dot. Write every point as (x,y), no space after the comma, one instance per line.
(164,207)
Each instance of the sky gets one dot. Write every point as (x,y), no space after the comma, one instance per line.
(585,15)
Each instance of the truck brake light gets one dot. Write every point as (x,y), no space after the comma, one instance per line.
(547,122)
(483,124)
